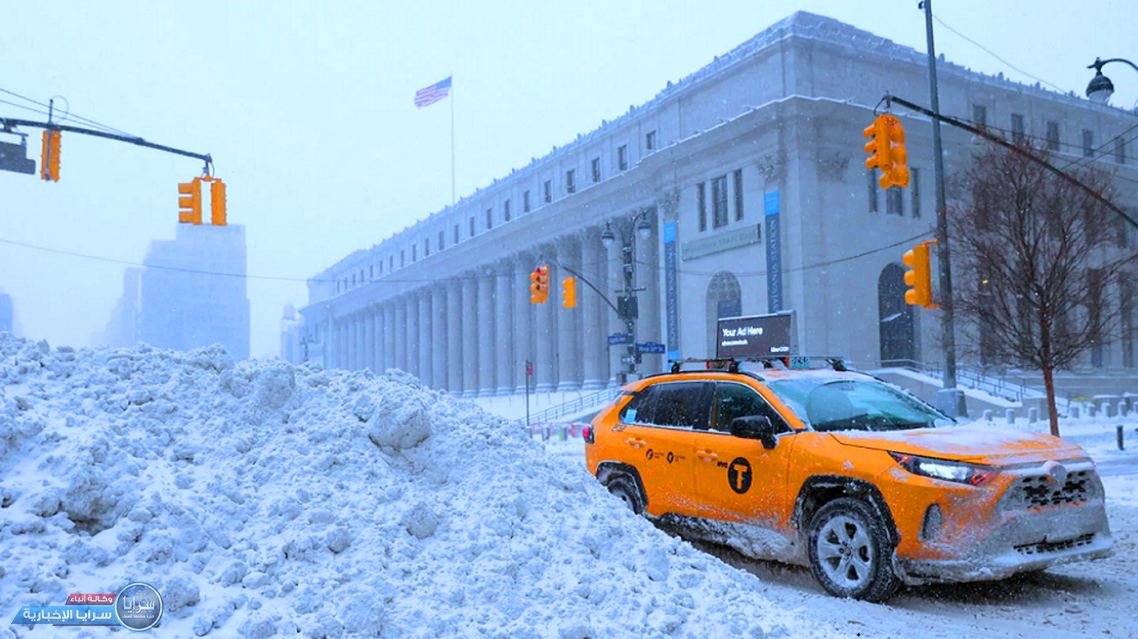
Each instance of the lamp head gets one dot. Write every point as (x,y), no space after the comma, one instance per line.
(644,229)
(607,238)
(1100,88)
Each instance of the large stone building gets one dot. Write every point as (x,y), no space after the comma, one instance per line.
(749,177)
(191,293)
(7,314)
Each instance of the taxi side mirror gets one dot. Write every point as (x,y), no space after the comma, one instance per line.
(755,427)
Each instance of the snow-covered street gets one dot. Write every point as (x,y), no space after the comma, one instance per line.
(263,499)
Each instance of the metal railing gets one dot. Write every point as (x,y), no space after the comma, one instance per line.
(979,379)
(583,402)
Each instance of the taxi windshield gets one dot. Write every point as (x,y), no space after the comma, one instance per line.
(866,405)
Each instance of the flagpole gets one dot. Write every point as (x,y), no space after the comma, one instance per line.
(452,196)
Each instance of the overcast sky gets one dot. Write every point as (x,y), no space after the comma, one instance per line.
(307,110)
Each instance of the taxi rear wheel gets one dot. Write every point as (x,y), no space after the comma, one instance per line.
(850,553)
(625,489)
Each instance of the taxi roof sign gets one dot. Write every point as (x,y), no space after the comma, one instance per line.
(755,336)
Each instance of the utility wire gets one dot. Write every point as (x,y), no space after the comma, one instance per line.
(70,115)
(991,53)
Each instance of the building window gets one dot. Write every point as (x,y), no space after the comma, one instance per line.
(353,279)
(719,201)
(547,188)
(622,157)
(1088,143)
(1120,150)
(525,202)
(738,194)
(650,140)
(489,219)
(506,210)
(371,272)
(571,181)
(1053,136)
(381,266)
(596,170)
(427,247)
(472,227)
(979,115)
(915,187)
(390,263)
(1017,128)
(871,181)
(701,204)
(402,258)
(414,252)
(894,201)
(456,240)
(442,236)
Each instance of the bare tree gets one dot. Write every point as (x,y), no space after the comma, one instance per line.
(1036,255)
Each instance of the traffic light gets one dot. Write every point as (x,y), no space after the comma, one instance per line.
(49,167)
(879,148)
(190,202)
(919,276)
(899,174)
(569,292)
(217,203)
(539,287)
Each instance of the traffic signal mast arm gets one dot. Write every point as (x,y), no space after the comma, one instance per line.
(8,123)
(590,285)
(1004,143)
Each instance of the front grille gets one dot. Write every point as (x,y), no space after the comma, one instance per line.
(1038,491)
(1044,547)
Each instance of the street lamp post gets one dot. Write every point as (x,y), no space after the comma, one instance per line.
(1100,88)
(627,308)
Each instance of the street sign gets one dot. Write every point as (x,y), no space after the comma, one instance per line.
(627,359)
(650,347)
(620,338)
(14,157)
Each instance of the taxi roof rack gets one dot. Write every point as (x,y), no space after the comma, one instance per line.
(731,365)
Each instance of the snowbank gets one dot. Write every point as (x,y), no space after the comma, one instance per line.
(262,500)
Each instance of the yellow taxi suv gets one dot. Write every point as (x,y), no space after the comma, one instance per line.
(853,477)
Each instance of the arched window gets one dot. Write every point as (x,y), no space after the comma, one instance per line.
(724,299)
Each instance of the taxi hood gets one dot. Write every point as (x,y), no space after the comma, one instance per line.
(974,444)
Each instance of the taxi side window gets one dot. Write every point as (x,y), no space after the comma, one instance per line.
(683,405)
(640,408)
(738,400)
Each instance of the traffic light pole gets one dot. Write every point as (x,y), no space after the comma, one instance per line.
(8,123)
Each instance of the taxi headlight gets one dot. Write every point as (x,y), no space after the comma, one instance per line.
(944,469)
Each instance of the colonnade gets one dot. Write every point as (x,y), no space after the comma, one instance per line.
(471,332)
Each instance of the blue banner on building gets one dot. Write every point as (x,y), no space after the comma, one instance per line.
(774,253)
(671,285)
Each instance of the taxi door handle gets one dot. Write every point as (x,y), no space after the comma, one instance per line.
(635,442)
(706,455)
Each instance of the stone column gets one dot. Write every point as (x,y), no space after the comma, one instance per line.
(377,337)
(361,340)
(439,372)
(425,350)
(486,346)
(648,327)
(504,319)
(326,340)
(369,339)
(390,321)
(411,303)
(616,324)
(591,306)
(568,378)
(545,337)
(455,349)
(470,335)
(351,351)
(523,320)
(401,333)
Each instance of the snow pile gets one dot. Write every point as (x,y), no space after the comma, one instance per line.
(264,500)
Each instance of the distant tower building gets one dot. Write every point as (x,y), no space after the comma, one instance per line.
(180,305)
(122,329)
(7,319)
(292,325)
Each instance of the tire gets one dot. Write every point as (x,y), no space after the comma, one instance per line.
(850,552)
(625,489)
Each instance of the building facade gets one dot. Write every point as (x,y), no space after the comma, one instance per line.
(750,176)
(190,293)
(7,314)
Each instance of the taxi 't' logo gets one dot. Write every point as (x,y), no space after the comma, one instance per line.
(739,475)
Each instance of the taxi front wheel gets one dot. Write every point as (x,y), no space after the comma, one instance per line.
(850,553)
(625,489)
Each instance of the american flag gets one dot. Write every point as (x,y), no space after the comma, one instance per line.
(432,94)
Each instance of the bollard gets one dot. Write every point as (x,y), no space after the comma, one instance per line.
(1122,411)
(1120,438)
(987,415)
(1011,417)
(1032,415)
(563,432)
(1075,412)
(1107,409)
(1092,410)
